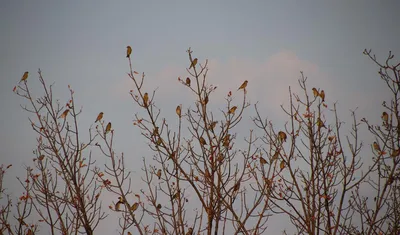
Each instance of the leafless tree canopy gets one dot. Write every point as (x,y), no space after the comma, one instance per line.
(202,176)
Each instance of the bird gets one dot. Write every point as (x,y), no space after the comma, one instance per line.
(202,141)
(275,156)
(188,81)
(108,128)
(155,131)
(315,92)
(263,161)
(220,157)
(320,123)
(145,98)
(282,136)
(190,231)
(99,117)
(134,206)
(119,203)
(159,173)
(178,110)
(25,76)
(322,95)
(64,114)
(128,51)
(158,206)
(282,165)
(243,86)
(232,110)
(205,101)
(212,125)
(176,195)
(376,146)
(395,153)
(226,140)
(194,62)
(385,117)
(159,141)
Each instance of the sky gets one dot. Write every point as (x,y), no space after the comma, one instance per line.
(268,43)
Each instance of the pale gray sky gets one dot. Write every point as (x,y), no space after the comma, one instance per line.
(82,43)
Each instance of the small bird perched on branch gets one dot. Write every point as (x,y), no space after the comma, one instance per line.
(232,110)
(64,114)
(244,85)
(145,99)
(119,203)
(263,161)
(376,146)
(134,207)
(282,136)
(315,92)
(188,81)
(99,117)
(202,141)
(128,51)
(108,128)
(25,76)
(190,231)
(159,173)
(194,62)
(322,95)
(178,110)
(320,123)
(176,195)
(385,118)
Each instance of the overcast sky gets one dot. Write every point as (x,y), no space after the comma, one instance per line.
(83,43)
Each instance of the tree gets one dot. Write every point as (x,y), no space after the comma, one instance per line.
(205,177)
(382,214)
(61,186)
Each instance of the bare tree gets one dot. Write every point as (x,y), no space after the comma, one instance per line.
(204,165)
(381,214)
(207,178)
(62,184)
